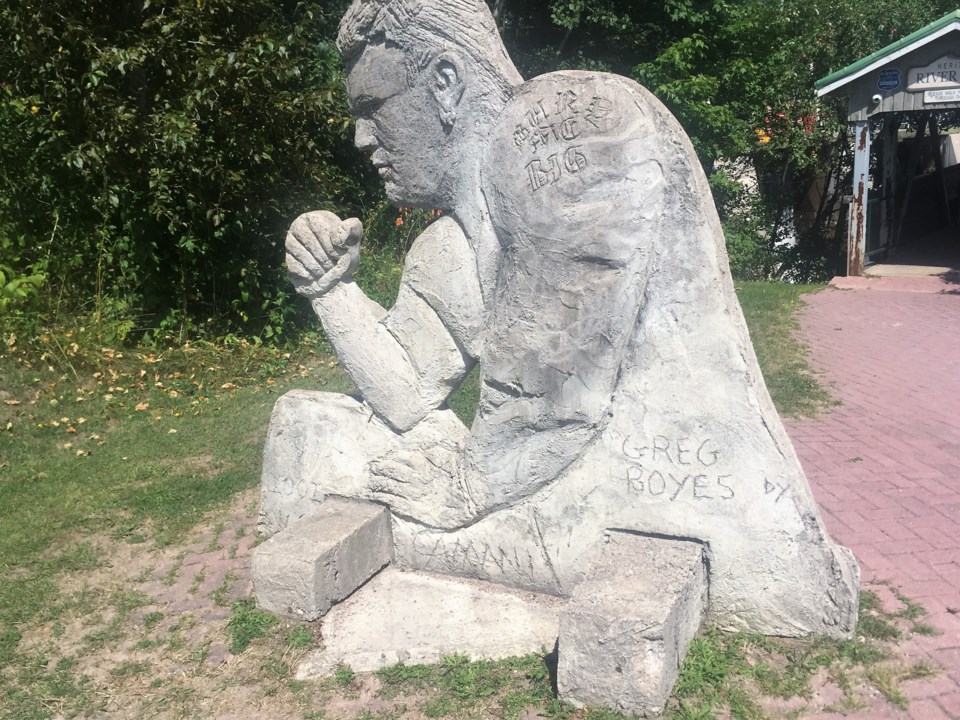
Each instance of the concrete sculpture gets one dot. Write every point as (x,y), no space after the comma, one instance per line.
(580,262)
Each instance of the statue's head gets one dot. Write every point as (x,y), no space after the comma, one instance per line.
(424,78)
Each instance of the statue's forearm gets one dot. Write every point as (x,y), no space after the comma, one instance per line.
(381,352)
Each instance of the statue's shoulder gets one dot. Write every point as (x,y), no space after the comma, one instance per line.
(568,105)
(577,88)
(442,248)
(570,134)
(441,270)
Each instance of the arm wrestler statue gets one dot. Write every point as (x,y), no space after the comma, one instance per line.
(580,262)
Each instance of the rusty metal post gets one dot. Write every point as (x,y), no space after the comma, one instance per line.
(857,223)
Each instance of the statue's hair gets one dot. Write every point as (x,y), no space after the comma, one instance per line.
(425,28)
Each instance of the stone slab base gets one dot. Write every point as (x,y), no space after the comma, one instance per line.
(625,632)
(419,618)
(322,558)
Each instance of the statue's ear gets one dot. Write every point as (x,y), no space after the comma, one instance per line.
(448,86)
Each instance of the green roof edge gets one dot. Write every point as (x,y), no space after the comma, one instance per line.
(888,50)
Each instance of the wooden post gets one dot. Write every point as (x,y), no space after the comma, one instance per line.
(891,137)
(857,221)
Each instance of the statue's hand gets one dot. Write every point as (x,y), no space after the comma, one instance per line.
(322,250)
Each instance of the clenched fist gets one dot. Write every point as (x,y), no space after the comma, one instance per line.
(322,250)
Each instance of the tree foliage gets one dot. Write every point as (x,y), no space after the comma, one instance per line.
(153,151)
(739,76)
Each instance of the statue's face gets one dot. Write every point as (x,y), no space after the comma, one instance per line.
(399,126)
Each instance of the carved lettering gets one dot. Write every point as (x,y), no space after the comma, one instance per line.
(493,561)
(598,113)
(635,479)
(539,129)
(537,114)
(681,484)
(521,135)
(677,452)
(567,103)
(722,482)
(661,445)
(700,488)
(542,173)
(632,450)
(540,136)
(574,160)
(777,488)
(570,129)
(703,453)
(654,484)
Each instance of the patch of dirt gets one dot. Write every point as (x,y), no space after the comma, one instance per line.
(205,465)
(149,628)
(8,411)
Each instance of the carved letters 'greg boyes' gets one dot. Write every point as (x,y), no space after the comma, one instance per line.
(581,264)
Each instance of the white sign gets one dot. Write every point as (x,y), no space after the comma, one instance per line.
(941,74)
(942,96)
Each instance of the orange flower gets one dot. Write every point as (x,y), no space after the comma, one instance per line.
(399,221)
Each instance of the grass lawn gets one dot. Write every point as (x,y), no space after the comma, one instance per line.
(770,311)
(128,501)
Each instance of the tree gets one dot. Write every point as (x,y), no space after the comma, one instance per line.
(739,76)
(153,152)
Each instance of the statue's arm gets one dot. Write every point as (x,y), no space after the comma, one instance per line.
(403,361)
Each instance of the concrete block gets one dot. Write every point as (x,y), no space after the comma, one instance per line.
(625,632)
(417,618)
(322,558)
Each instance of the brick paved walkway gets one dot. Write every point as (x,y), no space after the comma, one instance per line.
(885,464)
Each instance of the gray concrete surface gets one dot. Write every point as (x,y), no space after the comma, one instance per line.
(413,618)
(624,634)
(322,558)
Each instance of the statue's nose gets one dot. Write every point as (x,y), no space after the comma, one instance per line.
(364,138)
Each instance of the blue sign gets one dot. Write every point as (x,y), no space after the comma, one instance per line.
(888,79)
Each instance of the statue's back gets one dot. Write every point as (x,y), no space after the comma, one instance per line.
(575,185)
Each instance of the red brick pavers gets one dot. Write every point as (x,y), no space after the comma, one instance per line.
(885,464)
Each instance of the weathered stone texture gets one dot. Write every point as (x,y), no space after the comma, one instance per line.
(322,558)
(581,263)
(626,630)
(417,618)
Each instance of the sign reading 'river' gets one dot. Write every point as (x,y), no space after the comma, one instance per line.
(941,74)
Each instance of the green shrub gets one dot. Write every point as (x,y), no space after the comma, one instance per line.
(19,282)
(751,258)
(16,288)
(154,153)
(248,624)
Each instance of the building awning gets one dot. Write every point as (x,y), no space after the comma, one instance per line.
(840,78)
